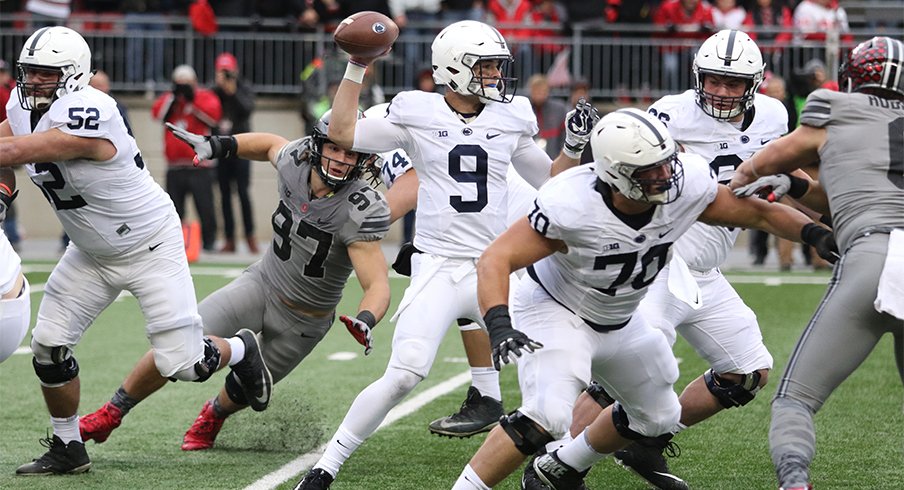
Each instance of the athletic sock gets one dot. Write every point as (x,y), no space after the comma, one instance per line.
(123,401)
(486,380)
(66,428)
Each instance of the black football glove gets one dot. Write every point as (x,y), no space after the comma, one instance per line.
(507,343)
(578,123)
(5,201)
(822,240)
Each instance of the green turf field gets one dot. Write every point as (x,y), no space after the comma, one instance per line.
(860,430)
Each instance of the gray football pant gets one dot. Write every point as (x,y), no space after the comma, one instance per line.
(841,334)
(247,302)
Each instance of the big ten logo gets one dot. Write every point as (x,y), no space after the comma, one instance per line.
(442,133)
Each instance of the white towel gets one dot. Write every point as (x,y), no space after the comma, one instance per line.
(890,294)
(682,284)
(428,265)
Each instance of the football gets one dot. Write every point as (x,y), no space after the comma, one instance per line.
(366,34)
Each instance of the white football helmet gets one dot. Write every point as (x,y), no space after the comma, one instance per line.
(377,111)
(728,53)
(630,141)
(53,49)
(459,47)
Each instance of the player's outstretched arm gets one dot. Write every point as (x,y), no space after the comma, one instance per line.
(52,145)
(775,218)
(797,149)
(250,146)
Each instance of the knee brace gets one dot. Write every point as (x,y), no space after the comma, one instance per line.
(202,370)
(55,366)
(466,325)
(234,389)
(599,394)
(729,393)
(620,419)
(527,435)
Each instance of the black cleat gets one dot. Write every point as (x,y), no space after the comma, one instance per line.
(552,473)
(252,372)
(61,459)
(645,457)
(316,479)
(477,414)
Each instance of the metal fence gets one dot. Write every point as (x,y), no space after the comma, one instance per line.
(618,61)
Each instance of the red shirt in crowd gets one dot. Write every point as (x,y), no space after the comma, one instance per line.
(683,23)
(198,116)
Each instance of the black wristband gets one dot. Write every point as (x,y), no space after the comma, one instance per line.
(367,317)
(798,188)
(497,316)
(812,233)
(223,146)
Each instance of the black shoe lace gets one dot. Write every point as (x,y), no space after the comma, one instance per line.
(672,450)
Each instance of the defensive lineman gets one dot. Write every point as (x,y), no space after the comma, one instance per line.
(855,137)
(125,236)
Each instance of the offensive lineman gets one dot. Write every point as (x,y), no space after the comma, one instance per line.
(855,136)
(596,239)
(15,295)
(328,223)
(461,144)
(125,236)
(724,120)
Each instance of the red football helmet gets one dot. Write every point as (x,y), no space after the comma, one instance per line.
(876,63)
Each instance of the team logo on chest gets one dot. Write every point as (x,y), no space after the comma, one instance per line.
(745,139)
(467,131)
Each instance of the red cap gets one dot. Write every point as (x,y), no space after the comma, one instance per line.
(226,61)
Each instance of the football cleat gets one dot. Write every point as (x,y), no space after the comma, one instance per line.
(645,457)
(316,479)
(531,481)
(61,459)
(556,475)
(100,424)
(252,372)
(477,414)
(204,430)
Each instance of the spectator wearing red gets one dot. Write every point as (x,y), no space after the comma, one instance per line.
(814,18)
(769,14)
(682,19)
(7,85)
(197,110)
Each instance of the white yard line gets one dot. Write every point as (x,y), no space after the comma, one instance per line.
(305,461)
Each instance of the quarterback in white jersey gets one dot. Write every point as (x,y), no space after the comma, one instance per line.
(125,236)
(597,238)
(15,295)
(461,144)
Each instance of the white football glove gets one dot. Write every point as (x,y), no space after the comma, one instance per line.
(201,144)
(770,187)
(578,124)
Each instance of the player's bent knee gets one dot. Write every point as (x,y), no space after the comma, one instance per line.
(665,424)
(412,355)
(55,366)
(199,371)
(527,435)
(731,393)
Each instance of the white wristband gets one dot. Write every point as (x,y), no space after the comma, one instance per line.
(355,72)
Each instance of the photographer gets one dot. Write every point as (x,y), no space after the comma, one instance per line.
(197,110)
(237,100)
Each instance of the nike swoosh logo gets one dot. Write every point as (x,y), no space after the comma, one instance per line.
(491,136)
(265,396)
(664,233)
(340,443)
(306,336)
(154,247)
(763,142)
